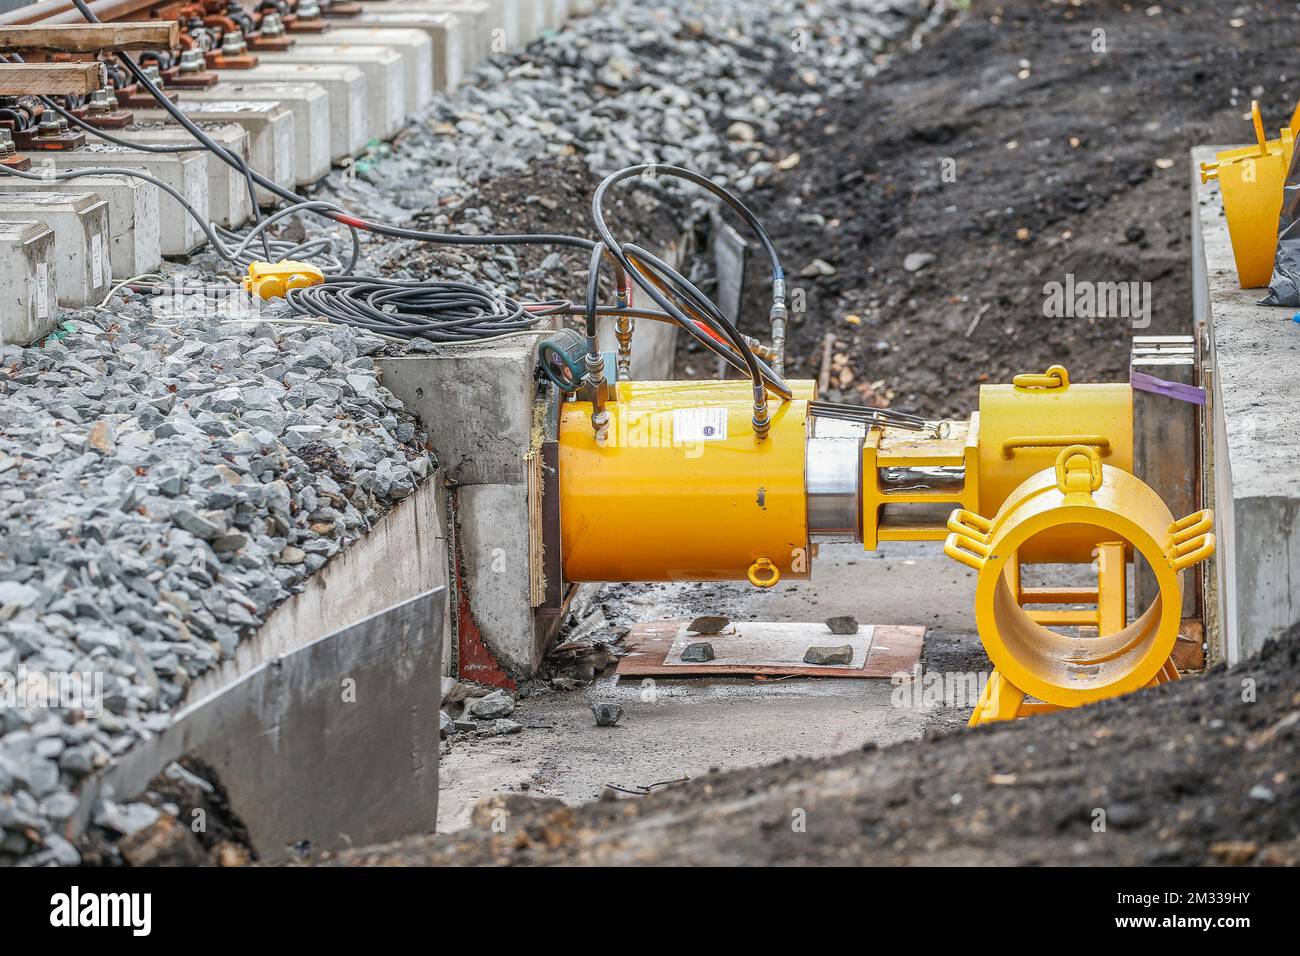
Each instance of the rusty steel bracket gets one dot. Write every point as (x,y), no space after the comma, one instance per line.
(196,80)
(217,60)
(341,10)
(104,119)
(47,140)
(296,25)
(259,43)
(133,98)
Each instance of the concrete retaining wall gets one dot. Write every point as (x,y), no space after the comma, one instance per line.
(1252,372)
(476,403)
(402,556)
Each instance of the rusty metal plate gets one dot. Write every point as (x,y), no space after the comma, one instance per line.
(774,649)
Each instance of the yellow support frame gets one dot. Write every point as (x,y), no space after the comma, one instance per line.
(896,448)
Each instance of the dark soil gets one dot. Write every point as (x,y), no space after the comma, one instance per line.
(1202,771)
(1066,161)
(554,198)
(202,809)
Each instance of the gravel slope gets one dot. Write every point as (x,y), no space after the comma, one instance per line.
(164,483)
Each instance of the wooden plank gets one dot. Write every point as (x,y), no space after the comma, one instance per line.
(20,79)
(894,649)
(1166,446)
(93,37)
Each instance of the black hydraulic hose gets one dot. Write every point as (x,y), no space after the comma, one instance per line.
(679,172)
(614,311)
(749,362)
(409,309)
(593,283)
(763,378)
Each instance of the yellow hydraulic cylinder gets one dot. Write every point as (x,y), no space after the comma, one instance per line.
(1057,668)
(1024,426)
(681,489)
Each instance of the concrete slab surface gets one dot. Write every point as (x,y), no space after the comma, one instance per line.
(676,728)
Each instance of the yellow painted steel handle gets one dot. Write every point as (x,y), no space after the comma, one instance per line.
(1100,442)
(1196,523)
(969,524)
(1257,119)
(967,550)
(1195,550)
(1191,539)
(763,573)
(1054,377)
(1073,479)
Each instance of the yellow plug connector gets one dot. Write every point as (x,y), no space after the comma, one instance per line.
(271,280)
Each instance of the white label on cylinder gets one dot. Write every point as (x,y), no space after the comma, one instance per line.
(699,424)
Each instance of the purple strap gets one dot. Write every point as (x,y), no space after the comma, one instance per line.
(1176,390)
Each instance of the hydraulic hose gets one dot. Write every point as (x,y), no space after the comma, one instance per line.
(657,279)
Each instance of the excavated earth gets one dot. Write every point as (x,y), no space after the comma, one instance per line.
(1198,772)
(1013,153)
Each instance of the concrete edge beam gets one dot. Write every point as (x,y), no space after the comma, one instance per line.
(402,556)
(1252,368)
(27,307)
(363,697)
(187,173)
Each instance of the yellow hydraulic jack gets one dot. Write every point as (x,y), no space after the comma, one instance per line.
(673,483)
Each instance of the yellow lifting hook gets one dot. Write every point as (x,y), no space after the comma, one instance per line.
(271,280)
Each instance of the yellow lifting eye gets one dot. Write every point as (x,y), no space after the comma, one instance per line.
(1070,478)
(763,573)
(271,280)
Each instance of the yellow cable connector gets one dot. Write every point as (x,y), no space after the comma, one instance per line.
(271,280)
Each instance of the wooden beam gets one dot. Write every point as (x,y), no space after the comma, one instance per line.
(19,79)
(93,37)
